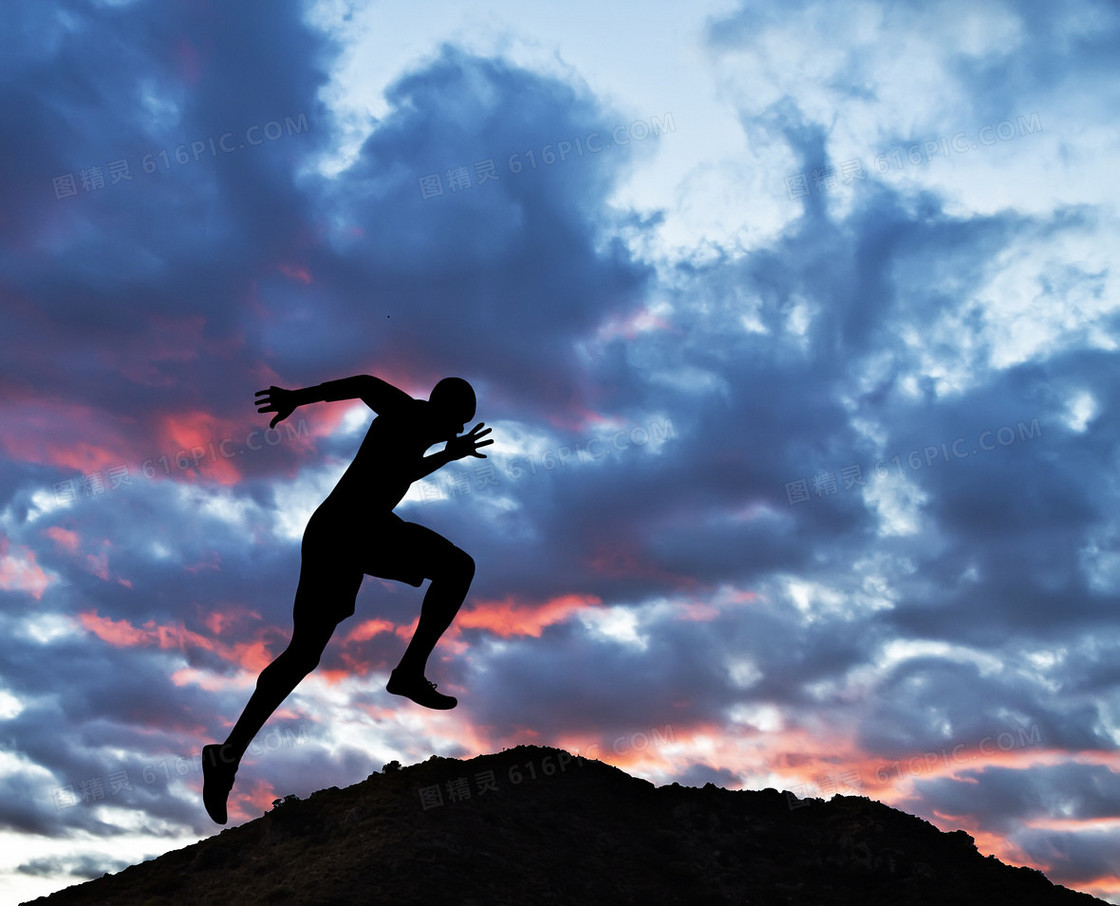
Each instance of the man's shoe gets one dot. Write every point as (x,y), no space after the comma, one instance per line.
(217,781)
(420,691)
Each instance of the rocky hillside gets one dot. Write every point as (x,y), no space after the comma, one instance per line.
(535,825)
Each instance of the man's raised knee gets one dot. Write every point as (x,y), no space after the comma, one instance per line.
(459,565)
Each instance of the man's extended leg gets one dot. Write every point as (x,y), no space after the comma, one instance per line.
(451,578)
(275,683)
(324,596)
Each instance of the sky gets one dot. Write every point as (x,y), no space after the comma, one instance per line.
(795,324)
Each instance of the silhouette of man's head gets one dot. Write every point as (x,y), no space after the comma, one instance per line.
(454,400)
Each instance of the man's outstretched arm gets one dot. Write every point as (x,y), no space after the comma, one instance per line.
(379,395)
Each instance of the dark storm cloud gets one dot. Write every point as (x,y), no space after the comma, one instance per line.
(169,285)
(123,533)
(1008,799)
(117,271)
(701,774)
(1022,803)
(111,700)
(581,683)
(928,703)
(782,408)
(1002,583)
(1074,859)
(936,605)
(498,278)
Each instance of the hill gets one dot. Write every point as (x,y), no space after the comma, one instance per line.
(539,825)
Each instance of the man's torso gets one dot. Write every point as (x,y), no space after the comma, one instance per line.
(387,462)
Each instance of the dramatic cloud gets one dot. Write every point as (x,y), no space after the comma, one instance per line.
(796,327)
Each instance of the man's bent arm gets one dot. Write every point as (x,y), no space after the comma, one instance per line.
(430,463)
(457,447)
(379,395)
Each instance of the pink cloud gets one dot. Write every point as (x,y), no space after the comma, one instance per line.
(192,433)
(64,538)
(49,432)
(20,572)
(298,272)
(99,565)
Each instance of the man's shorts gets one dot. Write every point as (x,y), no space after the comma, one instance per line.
(342,544)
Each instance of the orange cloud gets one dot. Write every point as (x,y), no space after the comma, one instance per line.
(332,677)
(253,655)
(258,799)
(1106,887)
(508,618)
(367,629)
(119,633)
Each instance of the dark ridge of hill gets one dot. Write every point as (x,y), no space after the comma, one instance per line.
(538,825)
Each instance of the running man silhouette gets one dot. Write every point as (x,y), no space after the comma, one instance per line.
(355,532)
